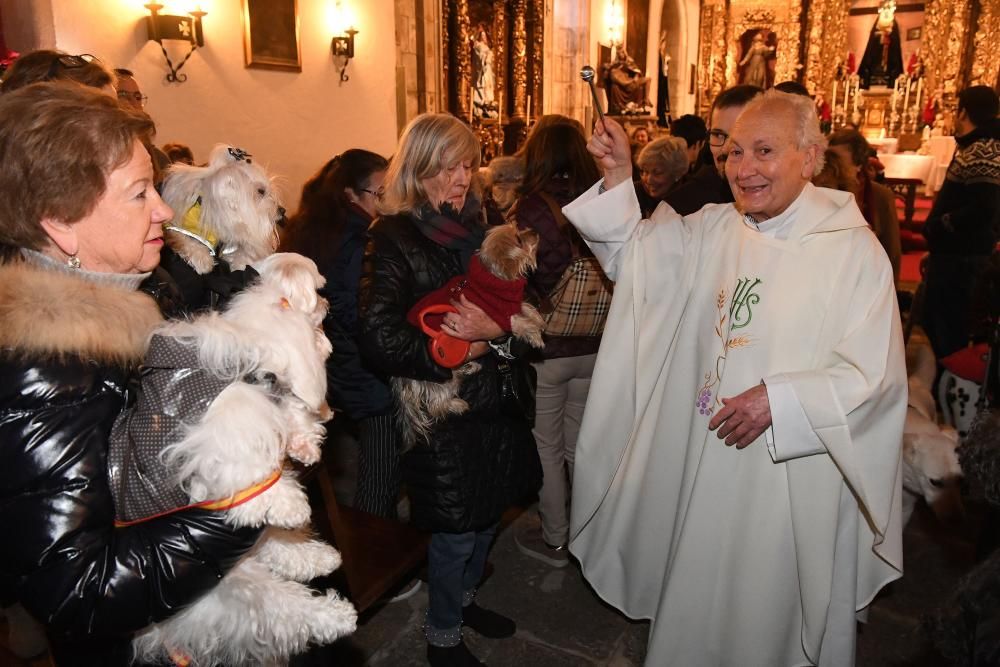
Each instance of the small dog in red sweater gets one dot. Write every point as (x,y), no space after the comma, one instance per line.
(495,282)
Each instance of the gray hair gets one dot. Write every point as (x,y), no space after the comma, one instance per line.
(803,110)
(668,153)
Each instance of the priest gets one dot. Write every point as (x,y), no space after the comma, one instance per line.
(737,477)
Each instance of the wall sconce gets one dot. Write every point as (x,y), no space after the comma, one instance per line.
(180,28)
(342,44)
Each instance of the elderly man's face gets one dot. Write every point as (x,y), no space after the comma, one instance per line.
(765,167)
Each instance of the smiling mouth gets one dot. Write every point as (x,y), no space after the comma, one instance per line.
(753,189)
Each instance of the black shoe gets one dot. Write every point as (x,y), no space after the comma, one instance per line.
(487,623)
(458,655)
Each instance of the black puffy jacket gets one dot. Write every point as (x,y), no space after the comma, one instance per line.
(65,349)
(478,463)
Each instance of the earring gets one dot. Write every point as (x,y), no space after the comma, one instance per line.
(73,262)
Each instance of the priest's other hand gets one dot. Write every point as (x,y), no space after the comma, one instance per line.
(743,418)
(610,147)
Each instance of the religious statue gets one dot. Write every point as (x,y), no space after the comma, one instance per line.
(483,76)
(883,58)
(754,62)
(663,118)
(627,88)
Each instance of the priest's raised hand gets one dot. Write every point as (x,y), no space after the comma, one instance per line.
(610,147)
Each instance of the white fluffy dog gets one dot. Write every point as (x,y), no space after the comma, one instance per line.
(931,468)
(268,343)
(227,209)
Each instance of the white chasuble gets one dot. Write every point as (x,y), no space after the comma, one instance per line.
(761,556)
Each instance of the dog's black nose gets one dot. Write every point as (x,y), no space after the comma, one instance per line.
(281,216)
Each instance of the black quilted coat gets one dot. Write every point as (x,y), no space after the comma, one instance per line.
(66,347)
(477,464)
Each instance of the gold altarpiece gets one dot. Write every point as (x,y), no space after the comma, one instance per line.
(958,44)
(516,33)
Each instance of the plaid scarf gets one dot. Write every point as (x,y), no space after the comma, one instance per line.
(457,231)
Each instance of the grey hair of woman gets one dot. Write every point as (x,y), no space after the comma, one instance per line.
(667,153)
(803,111)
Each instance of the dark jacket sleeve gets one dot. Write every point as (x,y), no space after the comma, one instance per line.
(389,343)
(63,557)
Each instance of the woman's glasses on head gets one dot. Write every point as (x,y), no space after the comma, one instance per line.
(70,62)
(139,98)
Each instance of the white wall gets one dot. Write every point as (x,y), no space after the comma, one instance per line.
(292,122)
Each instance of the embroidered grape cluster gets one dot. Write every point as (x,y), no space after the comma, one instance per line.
(704,399)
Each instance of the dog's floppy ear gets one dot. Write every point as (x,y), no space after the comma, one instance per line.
(295,276)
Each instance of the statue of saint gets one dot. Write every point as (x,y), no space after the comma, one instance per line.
(754,62)
(663,117)
(483,77)
(627,88)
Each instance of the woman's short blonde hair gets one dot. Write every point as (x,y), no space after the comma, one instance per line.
(430,143)
(667,153)
(58,143)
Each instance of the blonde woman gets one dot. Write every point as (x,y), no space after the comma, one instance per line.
(475,464)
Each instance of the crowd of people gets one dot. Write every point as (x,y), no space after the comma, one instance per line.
(713,406)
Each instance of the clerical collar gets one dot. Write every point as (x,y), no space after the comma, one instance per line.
(780,226)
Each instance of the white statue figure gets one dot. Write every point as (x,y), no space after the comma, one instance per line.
(755,62)
(483,77)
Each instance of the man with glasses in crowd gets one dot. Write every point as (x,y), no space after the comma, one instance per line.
(707,185)
(130,96)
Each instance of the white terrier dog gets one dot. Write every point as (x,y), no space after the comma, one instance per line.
(228,209)
(931,468)
(268,350)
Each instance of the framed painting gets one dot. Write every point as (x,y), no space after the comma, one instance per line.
(271,34)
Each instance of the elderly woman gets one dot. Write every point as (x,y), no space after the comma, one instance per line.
(474,465)
(661,164)
(80,227)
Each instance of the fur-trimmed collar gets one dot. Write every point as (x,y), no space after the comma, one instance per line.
(43,313)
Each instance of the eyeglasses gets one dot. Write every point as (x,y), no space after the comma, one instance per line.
(717,138)
(138,97)
(378,194)
(69,62)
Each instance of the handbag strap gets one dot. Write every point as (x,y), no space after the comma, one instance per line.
(563,224)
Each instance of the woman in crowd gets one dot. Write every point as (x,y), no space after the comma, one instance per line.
(80,227)
(331,227)
(876,201)
(661,164)
(48,65)
(558,170)
(473,465)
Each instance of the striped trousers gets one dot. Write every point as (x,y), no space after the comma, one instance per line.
(378,466)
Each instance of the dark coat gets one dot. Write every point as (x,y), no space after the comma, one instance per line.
(351,387)
(554,254)
(705,186)
(478,463)
(66,350)
(965,218)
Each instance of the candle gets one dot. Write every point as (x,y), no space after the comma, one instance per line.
(920,90)
(906,97)
(857,93)
(847,94)
(500,111)
(529,110)
(834,97)
(472,103)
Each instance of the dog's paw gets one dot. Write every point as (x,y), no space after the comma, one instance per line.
(456,406)
(304,449)
(332,618)
(528,326)
(289,506)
